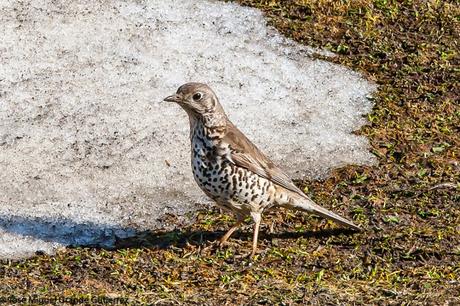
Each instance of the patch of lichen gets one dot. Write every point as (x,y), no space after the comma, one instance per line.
(408,204)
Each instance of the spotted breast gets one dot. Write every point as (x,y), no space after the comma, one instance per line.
(233,188)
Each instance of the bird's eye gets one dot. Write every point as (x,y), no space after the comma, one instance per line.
(197,96)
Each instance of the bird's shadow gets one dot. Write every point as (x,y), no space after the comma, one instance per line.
(178,238)
(73,233)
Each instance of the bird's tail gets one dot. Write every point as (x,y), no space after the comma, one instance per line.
(306,204)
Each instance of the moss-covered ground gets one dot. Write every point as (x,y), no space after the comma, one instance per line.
(409,204)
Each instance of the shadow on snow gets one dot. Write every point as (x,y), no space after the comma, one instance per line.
(89,234)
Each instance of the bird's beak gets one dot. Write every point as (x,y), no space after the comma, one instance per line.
(173,98)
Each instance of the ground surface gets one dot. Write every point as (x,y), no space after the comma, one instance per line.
(408,204)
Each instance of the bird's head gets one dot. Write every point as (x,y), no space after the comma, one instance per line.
(197,100)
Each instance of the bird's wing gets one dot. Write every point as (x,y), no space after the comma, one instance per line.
(245,154)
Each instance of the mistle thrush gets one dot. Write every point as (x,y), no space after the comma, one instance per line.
(233,171)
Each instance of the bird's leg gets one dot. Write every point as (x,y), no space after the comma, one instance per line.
(231,230)
(257,219)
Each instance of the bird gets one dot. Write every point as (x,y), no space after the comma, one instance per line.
(232,171)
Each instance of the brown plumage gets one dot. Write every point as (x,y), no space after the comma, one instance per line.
(232,170)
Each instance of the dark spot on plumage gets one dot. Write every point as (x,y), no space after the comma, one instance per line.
(254,197)
(215,179)
(208,148)
(210,155)
(246,194)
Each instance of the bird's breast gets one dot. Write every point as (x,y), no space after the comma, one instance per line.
(209,168)
(222,180)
